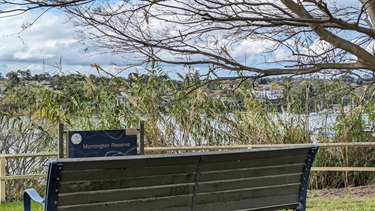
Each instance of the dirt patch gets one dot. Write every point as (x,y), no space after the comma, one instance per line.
(362,192)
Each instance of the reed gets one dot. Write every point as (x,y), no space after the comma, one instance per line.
(191,112)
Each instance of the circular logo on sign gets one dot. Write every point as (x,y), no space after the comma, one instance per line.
(76,138)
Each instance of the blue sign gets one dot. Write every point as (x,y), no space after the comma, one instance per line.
(102,143)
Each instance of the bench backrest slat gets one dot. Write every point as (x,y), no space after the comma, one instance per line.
(266,203)
(125,194)
(82,186)
(251,172)
(179,159)
(178,202)
(223,185)
(263,162)
(245,193)
(129,172)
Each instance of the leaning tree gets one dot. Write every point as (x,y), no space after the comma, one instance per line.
(252,38)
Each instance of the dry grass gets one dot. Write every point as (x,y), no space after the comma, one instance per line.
(353,198)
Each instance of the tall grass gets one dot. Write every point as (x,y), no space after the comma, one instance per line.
(192,113)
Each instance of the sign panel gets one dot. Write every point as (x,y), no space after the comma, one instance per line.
(102,143)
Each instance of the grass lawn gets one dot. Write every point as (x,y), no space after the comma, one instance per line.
(341,204)
(18,206)
(359,198)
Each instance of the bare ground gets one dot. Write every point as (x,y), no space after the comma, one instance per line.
(362,192)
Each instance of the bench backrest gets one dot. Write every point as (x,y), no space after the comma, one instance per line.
(231,180)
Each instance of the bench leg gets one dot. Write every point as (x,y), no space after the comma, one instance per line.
(301,207)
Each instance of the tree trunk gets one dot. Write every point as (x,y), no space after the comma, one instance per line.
(363,56)
(369,7)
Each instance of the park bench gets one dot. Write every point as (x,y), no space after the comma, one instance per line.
(254,179)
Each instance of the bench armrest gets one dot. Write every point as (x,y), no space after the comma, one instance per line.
(31,194)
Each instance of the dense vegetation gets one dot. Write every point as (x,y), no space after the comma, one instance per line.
(185,112)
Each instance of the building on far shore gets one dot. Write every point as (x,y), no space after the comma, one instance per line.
(267,92)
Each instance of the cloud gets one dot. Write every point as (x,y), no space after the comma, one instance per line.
(41,46)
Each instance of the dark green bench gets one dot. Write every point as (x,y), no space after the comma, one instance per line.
(258,179)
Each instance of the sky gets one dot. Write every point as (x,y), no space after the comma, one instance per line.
(49,45)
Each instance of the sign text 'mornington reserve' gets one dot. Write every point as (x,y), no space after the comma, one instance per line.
(103,146)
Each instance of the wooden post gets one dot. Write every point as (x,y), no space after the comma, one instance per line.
(2,181)
(61,140)
(142,137)
(347,165)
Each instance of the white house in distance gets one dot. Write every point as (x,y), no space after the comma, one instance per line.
(267,92)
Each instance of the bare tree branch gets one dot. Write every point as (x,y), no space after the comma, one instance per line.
(292,37)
